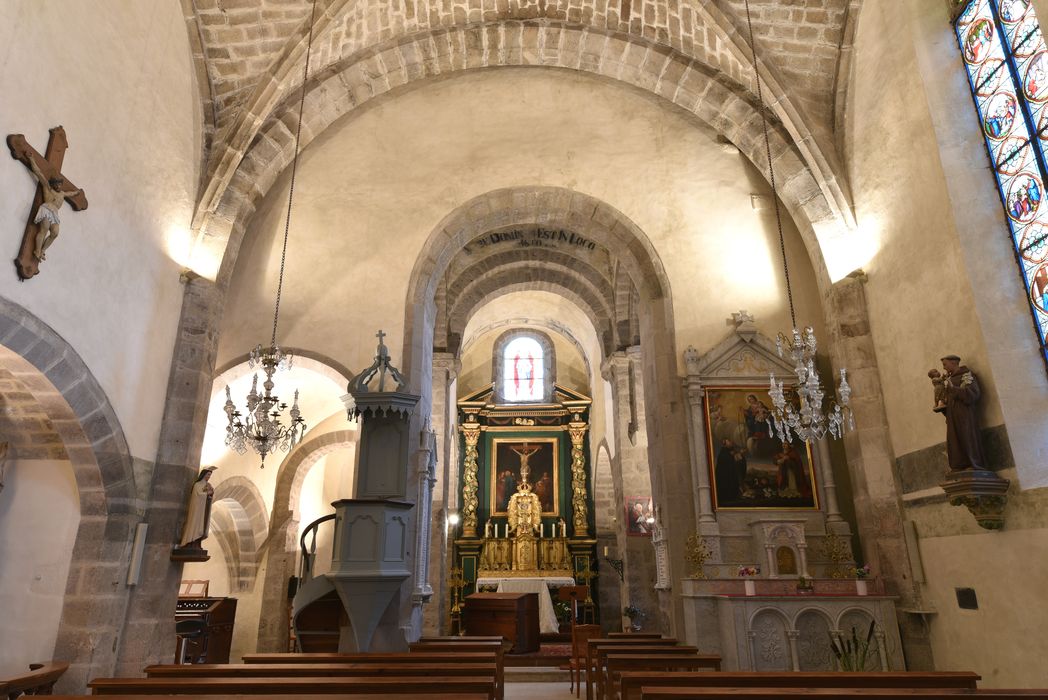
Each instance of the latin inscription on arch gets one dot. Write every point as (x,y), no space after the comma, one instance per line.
(531,238)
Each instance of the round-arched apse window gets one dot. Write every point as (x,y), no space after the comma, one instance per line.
(523,370)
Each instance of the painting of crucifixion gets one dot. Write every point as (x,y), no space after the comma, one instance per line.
(512,461)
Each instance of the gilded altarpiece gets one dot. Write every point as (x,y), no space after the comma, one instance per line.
(526,499)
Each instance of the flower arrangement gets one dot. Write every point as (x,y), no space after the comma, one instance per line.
(805,584)
(862,571)
(746,571)
(631,611)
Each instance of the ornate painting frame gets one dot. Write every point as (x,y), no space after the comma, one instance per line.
(503,480)
(749,468)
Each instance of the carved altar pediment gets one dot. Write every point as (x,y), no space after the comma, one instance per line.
(745,356)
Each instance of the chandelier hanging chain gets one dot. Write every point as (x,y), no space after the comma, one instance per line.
(261,428)
(771,170)
(294,172)
(804,417)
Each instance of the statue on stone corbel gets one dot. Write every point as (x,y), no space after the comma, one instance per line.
(658,541)
(198,519)
(969,482)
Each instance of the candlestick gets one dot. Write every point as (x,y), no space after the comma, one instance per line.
(605,551)
(542,529)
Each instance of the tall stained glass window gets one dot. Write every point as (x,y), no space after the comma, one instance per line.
(1007,62)
(523,373)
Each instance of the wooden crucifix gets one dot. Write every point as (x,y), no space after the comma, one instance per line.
(42,228)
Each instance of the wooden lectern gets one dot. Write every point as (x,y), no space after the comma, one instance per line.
(514,616)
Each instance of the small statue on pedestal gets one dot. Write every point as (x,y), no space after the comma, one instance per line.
(956,394)
(198,518)
(969,482)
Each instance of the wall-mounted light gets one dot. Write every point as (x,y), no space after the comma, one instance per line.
(615,563)
(453,518)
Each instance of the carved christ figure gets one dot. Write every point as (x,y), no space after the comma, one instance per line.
(47,215)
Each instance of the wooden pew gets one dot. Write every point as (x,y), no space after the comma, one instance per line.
(391,657)
(634,635)
(40,679)
(305,685)
(355,696)
(601,653)
(456,647)
(463,639)
(700,693)
(616,664)
(630,682)
(319,670)
(592,644)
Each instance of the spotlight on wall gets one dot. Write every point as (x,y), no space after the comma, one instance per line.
(453,518)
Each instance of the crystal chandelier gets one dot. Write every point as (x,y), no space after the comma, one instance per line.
(262,427)
(806,418)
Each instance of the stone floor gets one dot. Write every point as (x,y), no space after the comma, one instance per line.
(537,683)
(516,690)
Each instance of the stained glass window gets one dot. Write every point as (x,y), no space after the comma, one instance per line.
(1007,62)
(523,370)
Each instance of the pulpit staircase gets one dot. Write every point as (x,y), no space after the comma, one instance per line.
(316,611)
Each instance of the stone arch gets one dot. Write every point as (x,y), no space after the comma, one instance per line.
(809,189)
(282,546)
(244,533)
(607,227)
(500,286)
(85,424)
(768,631)
(605,504)
(549,324)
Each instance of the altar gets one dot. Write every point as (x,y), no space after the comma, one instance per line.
(548,623)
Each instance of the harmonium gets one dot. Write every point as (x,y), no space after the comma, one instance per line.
(205,629)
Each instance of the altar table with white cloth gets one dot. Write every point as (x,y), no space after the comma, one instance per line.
(547,617)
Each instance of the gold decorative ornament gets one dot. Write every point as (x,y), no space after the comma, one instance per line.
(577,431)
(698,552)
(471,433)
(838,552)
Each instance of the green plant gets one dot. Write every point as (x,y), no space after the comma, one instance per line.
(631,612)
(852,654)
(562,610)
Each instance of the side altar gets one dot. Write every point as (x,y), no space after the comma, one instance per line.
(526,504)
(773,575)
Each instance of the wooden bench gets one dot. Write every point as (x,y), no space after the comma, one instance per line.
(634,635)
(727,693)
(592,644)
(616,664)
(630,682)
(458,647)
(355,696)
(305,685)
(391,657)
(319,670)
(39,681)
(601,652)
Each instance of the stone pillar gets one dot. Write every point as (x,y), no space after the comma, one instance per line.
(622,370)
(697,441)
(829,489)
(149,627)
(427,466)
(445,497)
(878,506)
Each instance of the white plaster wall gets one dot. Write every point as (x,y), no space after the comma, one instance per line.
(920,300)
(372,188)
(120,80)
(1004,640)
(39,517)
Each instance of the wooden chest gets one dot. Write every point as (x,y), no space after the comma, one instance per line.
(514,616)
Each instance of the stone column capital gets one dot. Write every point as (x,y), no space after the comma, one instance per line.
(448,362)
(614,366)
